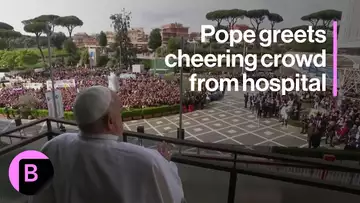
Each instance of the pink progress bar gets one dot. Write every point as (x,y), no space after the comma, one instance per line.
(335,53)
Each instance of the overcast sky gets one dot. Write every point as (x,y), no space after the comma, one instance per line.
(154,13)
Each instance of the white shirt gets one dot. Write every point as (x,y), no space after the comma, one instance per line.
(103,169)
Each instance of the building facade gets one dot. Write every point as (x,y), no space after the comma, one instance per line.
(84,40)
(110,36)
(138,38)
(174,30)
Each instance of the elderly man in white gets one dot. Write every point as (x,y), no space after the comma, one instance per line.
(95,166)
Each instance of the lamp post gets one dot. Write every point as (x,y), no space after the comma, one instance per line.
(244,53)
(51,71)
(181,95)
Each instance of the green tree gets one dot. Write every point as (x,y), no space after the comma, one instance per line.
(36,28)
(7,33)
(23,42)
(3,44)
(85,57)
(327,16)
(218,16)
(58,39)
(312,18)
(70,47)
(155,40)
(103,60)
(74,56)
(5,26)
(324,16)
(274,18)
(69,22)
(49,20)
(233,15)
(173,44)
(257,17)
(125,53)
(102,39)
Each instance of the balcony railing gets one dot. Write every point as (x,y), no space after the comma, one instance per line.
(231,159)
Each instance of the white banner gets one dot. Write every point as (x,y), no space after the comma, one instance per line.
(61,84)
(33,85)
(127,75)
(59,104)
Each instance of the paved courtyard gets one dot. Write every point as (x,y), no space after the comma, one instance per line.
(225,121)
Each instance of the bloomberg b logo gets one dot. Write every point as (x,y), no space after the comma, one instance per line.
(29,172)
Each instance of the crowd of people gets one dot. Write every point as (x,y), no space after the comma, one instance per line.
(140,91)
(272,104)
(336,121)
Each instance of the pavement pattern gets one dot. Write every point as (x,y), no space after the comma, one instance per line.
(225,121)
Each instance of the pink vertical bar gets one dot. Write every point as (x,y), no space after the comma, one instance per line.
(335,53)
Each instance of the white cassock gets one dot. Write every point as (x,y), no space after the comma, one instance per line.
(103,169)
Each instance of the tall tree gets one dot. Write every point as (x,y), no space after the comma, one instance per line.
(327,16)
(324,16)
(49,20)
(102,39)
(125,53)
(70,23)
(274,18)
(257,17)
(218,16)
(72,50)
(312,18)
(3,44)
(5,26)
(7,33)
(173,45)
(70,47)
(58,39)
(233,15)
(155,40)
(36,28)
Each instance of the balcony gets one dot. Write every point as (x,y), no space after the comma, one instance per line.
(217,173)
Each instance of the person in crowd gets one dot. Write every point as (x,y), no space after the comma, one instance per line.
(304,123)
(330,132)
(246,99)
(96,166)
(251,102)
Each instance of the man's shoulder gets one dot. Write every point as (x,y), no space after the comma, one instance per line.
(61,138)
(64,136)
(143,154)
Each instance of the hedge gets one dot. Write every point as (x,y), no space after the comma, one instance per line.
(318,153)
(126,114)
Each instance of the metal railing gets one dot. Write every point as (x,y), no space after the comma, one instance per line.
(297,170)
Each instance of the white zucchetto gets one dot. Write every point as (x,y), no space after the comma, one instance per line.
(91,104)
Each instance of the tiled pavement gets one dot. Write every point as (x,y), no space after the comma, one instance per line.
(224,121)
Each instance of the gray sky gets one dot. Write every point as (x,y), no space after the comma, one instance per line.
(154,13)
